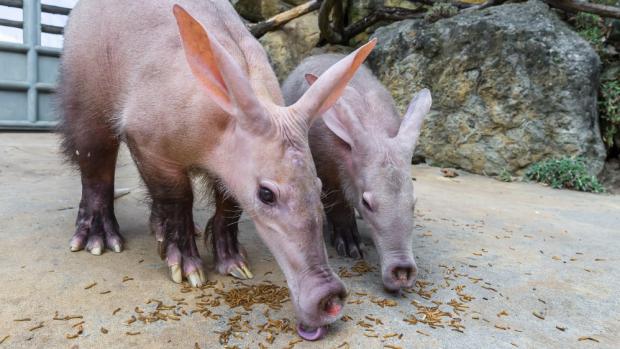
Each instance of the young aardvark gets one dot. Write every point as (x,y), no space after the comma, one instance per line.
(362,151)
(185,96)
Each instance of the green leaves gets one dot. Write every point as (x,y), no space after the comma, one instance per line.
(609,110)
(565,173)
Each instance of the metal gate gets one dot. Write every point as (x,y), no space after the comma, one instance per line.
(28,70)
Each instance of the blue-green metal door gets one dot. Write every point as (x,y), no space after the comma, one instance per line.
(28,69)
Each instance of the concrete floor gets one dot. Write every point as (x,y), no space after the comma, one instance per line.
(519,249)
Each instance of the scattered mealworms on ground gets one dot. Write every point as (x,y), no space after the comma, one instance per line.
(344,345)
(116,311)
(271,295)
(140,261)
(540,316)
(40,325)
(127,278)
(4,338)
(514,345)
(587,338)
(384,302)
(391,346)
(71,336)
(561,328)
(90,286)
(105,292)
(131,320)
(24,319)
(502,313)
(423,333)
(104,330)
(78,324)
(295,341)
(66,317)
(132,333)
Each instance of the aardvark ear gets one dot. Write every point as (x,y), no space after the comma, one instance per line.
(218,72)
(326,90)
(340,119)
(411,125)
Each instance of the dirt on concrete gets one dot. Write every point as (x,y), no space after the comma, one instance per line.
(502,265)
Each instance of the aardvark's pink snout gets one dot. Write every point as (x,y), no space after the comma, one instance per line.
(398,275)
(321,302)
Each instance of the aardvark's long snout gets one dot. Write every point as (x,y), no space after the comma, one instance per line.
(321,300)
(398,274)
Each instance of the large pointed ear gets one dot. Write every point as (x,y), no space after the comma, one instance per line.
(410,127)
(339,119)
(219,73)
(324,93)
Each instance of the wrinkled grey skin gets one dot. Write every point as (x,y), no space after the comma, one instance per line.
(362,151)
(189,88)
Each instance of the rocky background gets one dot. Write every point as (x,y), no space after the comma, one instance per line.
(512,84)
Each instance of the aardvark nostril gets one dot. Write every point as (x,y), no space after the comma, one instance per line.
(404,274)
(333,303)
(333,306)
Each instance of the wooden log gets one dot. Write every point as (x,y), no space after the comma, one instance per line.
(275,22)
(333,34)
(382,14)
(578,6)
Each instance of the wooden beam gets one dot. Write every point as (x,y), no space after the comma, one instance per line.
(382,14)
(275,22)
(579,6)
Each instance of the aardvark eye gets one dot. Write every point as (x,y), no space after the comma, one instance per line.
(266,196)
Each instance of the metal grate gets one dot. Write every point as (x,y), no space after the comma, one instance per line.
(28,70)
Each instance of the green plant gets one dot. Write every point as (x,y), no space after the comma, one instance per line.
(505,176)
(586,20)
(590,27)
(609,110)
(566,172)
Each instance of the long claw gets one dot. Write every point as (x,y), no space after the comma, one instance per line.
(117,248)
(96,251)
(194,279)
(176,274)
(237,272)
(202,275)
(77,243)
(355,253)
(340,248)
(247,271)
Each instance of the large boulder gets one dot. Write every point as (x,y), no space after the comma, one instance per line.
(511,85)
(289,45)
